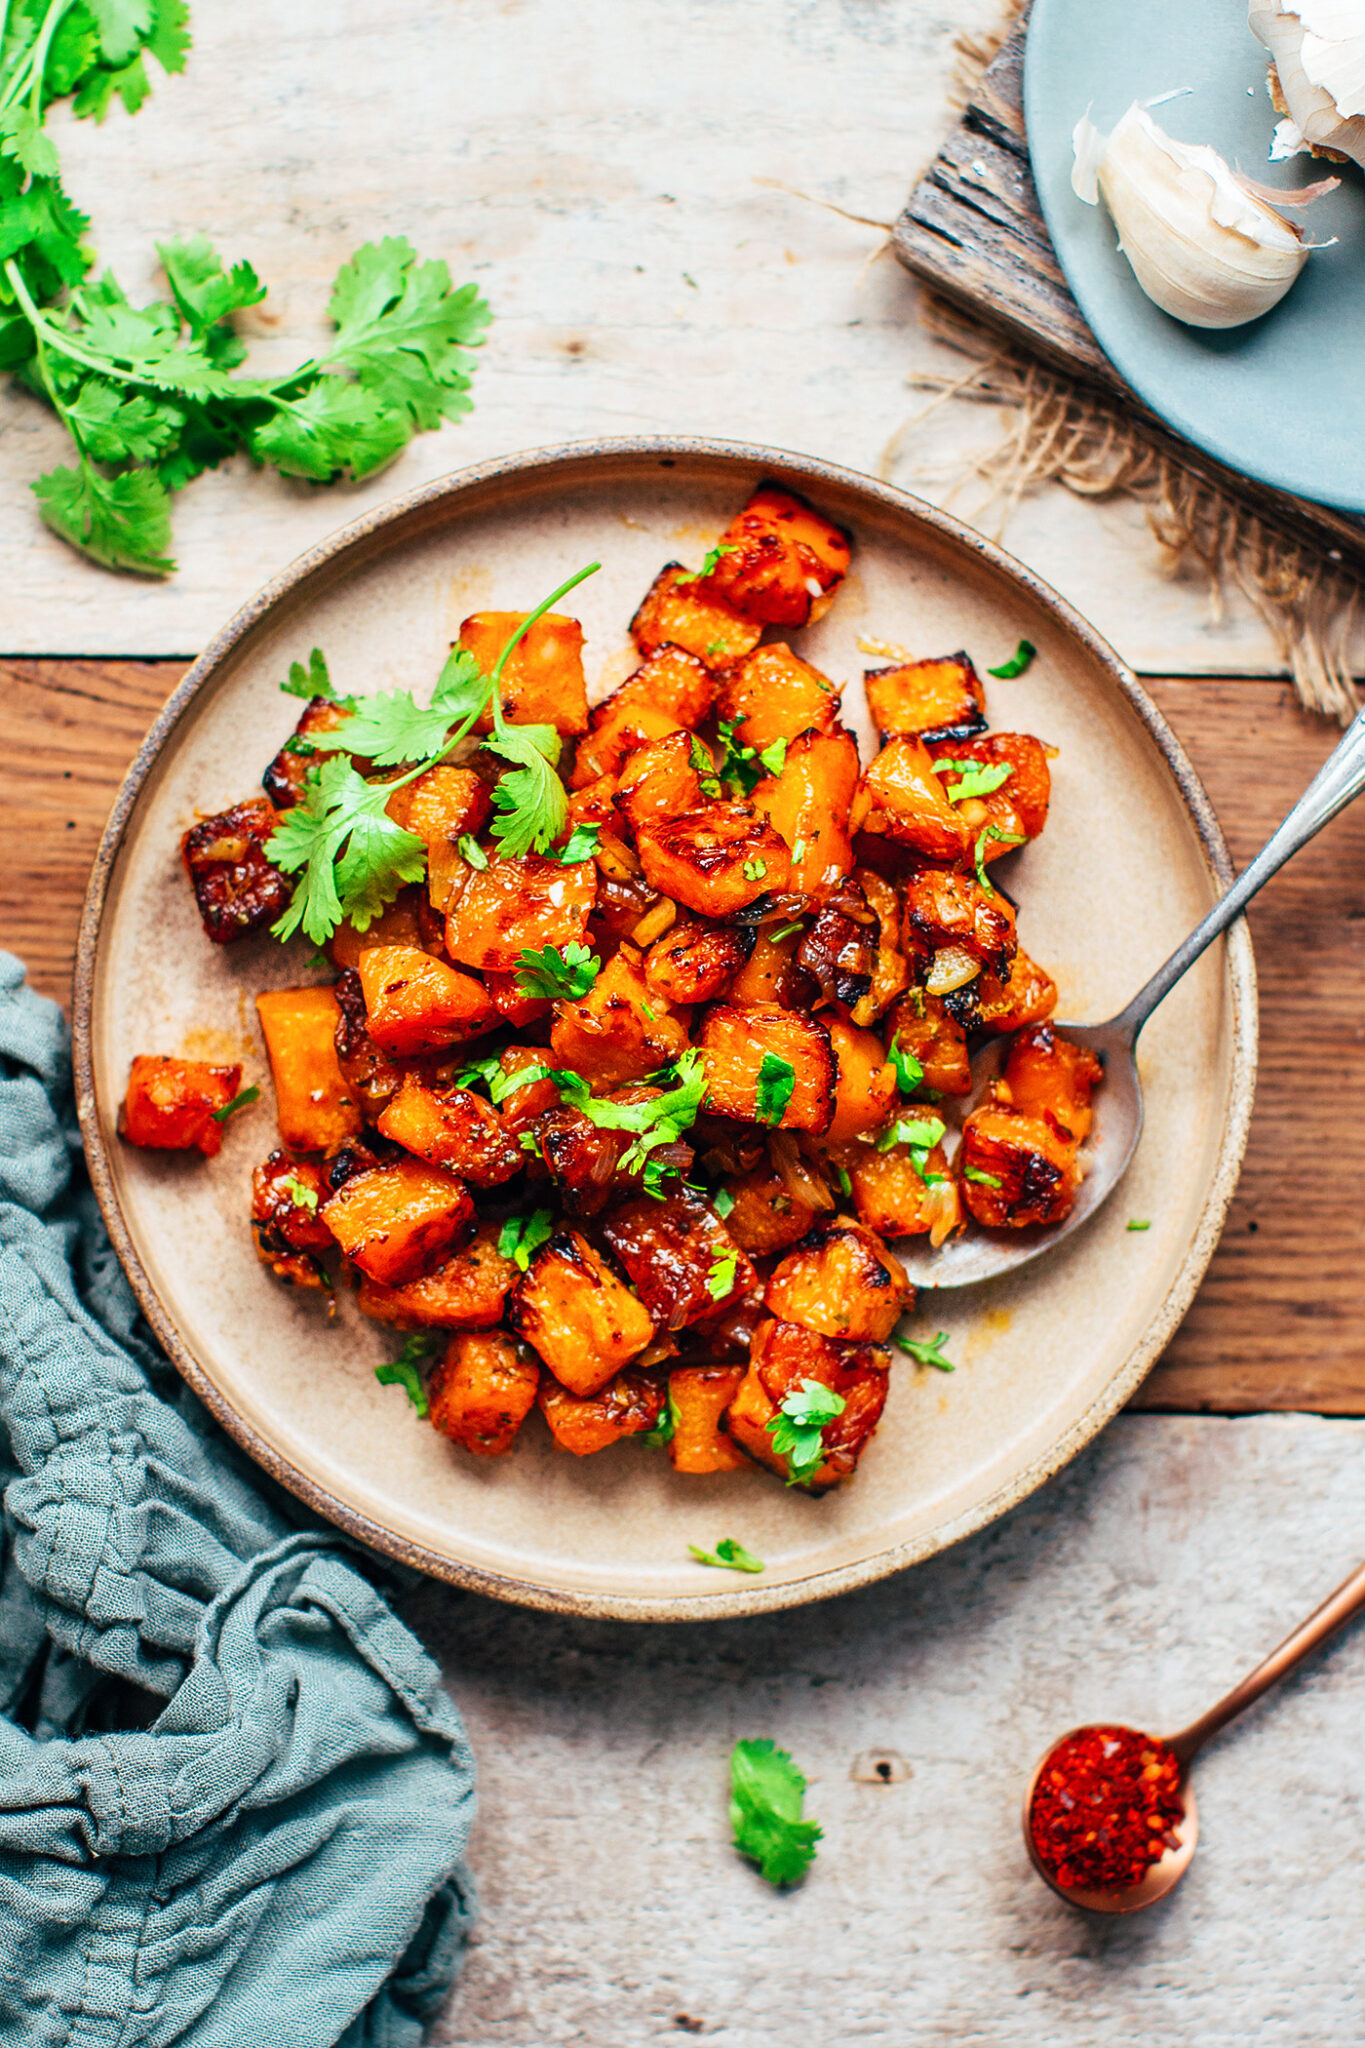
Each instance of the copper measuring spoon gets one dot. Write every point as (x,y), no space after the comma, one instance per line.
(982,1254)
(1163,1876)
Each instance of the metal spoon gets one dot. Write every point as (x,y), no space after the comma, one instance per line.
(981,1254)
(1164,1875)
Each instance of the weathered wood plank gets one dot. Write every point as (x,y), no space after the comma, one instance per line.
(1279,1320)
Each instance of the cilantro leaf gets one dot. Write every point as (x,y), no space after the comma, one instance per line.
(552,976)
(403,1372)
(169,41)
(405,333)
(354,858)
(22,138)
(766,1801)
(722,1202)
(797,1429)
(242,1101)
(332,429)
(1137,1224)
(313,681)
(776,1080)
(204,292)
(522,1236)
(532,799)
(122,26)
(299,1192)
(581,844)
(985,1180)
(1004,839)
(1017,663)
(712,561)
(123,521)
(919,1135)
(116,425)
(728,1555)
(721,1279)
(391,727)
(909,1070)
(665,1428)
(926,1352)
(845,1185)
(978,778)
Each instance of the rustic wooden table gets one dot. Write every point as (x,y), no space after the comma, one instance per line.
(607,176)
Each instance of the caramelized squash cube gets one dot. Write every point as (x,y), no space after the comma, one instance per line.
(303,750)
(766,976)
(837,952)
(1018,808)
(766,1216)
(398,1222)
(580,1315)
(890,968)
(774,695)
(1027,996)
(925,1030)
(940,699)
(512,1003)
(520,1109)
(586,1160)
(672,681)
(677,1254)
(236,888)
(842,1281)
(700,1395)
(455,1128)
(372,1076)
(1016,1170)
(660,780)
(780,562)
(442,804)
(784,1355)
(542,682)
(1051,1077)
(520,905)
(628,1405)
(694,960)
(737,1042)
(609,745)
(677,612)
(482,1391)
(894,1199)
(944,909)
(465,1292)
(865,1092)
(807,802)
(314,1105)
(717,860)
(415,1003)
(901,795)
(619,1031)
(290,1235)
(170,1104)
(398,924)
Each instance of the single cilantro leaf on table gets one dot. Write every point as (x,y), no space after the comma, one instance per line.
(124,521)
(404,332)
(522,1236)
(728,1555)
(798,1428)
(1017,663)
(404,1371)
(927,1351)
(555,976)
(776,1080)
(767,1795)
(531,802)
(353,857)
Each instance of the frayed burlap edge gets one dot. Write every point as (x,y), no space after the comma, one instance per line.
(1063,433)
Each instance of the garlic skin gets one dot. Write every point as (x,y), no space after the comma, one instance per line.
(1203,247)
(1318,50)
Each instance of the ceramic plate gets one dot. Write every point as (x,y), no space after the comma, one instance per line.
(1131,859)
(1283,398)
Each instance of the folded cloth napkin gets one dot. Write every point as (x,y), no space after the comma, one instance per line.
(233,1796)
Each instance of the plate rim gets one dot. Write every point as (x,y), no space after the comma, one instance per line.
(809,473)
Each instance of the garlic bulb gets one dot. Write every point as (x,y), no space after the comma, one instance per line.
(1318,49)
(1208,248)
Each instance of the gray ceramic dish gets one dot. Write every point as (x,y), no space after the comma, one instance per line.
(1283,398)
(1131,857)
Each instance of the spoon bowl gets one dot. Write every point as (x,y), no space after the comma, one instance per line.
(1159,1879)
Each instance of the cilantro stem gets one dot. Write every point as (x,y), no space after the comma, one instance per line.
(37,56)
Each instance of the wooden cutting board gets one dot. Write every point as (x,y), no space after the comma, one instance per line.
(972,228)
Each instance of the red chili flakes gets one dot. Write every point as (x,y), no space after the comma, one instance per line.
(1105,1808)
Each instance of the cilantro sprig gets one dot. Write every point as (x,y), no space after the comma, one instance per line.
(522,1236)
(919,1135)
(743,768)
(404,1371)
(798,1428)
(926,1351)
(555,976)
(729,1555)
(767,1795)
(659,1121)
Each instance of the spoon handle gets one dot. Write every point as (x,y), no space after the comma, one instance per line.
(1337,783)
(1323,1622)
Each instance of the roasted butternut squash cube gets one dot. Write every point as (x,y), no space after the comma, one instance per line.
(900,795)
(774,695)
(628,1405)
(1051,1077)
(619,1031)
(842,1281)
(465,1292)
(610,744)
(807,802)
(865,1092)
(512,1003)
(289,1233)
(700,1395)
(784,1356)
(765,976)
(170,1104)
(766,1216)
(235,886)
(836,952)
(890,967)
(660,780)
(717,860)
(944,909)
(520,1109)
(482,1391)
(1017,808)
(925,1030)
(681,1260)
(452,1127)
(314,1106)
(304,749)
(398,1222)
(372,1076)
(892,1196)
(516,906)
(586,1160)
(671,680)
(940,699)
(677,612)
(542,683)
(415,1003)
(1027,996)
(694,960)
(751,1057)
(780,561)
(442,804)
(580,1315)
(1016,1170)
(398,924)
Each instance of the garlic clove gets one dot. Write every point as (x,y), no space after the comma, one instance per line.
(1318,51)
(1204,246)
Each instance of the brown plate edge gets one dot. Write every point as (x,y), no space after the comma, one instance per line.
(808,471)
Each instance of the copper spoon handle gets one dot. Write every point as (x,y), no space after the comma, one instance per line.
(1338,1608)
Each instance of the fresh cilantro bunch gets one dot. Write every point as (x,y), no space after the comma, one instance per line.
(148,394)
(766,1798)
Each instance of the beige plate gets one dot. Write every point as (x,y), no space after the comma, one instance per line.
(1130,860)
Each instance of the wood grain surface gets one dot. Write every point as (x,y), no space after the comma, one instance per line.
(1278,1322)
(973,229)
